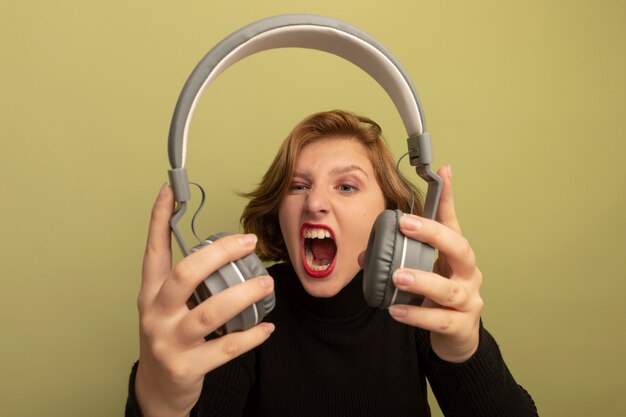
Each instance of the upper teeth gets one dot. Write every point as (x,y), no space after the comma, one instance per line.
(316,233)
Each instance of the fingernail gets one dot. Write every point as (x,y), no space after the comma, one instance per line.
(248,240)
(410,223)
(403,278)
(450,172)
(397,311)
(268,328)
(266,281)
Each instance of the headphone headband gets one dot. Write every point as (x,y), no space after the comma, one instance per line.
(296,31)
(309,32)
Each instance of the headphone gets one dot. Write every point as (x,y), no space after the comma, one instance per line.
(387,249)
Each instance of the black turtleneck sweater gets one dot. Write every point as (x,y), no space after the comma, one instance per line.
(339,357)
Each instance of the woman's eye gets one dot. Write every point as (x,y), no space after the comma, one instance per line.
(296,187)
(347,188)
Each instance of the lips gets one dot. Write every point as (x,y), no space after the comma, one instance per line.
(318,250)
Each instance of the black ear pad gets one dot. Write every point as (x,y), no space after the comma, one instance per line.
(388,250)
(230,275)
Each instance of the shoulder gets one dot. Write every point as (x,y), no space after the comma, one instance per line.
(280,269)
(282,274)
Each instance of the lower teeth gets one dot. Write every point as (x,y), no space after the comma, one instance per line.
(312,266)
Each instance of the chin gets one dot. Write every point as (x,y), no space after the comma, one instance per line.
(326,287)
(321,289)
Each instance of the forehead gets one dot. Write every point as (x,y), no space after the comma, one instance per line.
(333,152)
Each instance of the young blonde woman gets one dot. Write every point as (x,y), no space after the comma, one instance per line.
(322,351)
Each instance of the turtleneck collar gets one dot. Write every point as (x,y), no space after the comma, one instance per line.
(348,304)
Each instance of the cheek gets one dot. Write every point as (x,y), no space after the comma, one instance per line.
(367,219)
(289,224)
(361,227)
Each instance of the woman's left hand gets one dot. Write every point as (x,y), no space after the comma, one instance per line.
(452,306)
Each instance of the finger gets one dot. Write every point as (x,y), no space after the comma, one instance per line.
(190,271)
(459,253)
(157,260)
(446,212)
(217,310)
(217,352)
(438,320)
(444,292)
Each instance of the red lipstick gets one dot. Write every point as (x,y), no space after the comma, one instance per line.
(311,236)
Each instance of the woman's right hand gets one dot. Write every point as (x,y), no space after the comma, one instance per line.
(174,356)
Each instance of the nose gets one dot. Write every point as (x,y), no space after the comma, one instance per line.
(317,201)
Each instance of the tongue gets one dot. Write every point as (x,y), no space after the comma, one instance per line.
(323,248)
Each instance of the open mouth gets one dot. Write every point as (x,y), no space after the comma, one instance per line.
(318,250)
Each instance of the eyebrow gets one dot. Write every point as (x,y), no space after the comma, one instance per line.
(344,170)
(335,172)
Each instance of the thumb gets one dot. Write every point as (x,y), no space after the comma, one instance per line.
(446,213)
(158,257)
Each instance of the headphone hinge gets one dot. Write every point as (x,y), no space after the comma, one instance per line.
(420,149)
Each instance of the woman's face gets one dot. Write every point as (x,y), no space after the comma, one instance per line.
(328,213)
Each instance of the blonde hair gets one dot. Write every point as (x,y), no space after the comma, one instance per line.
(261,214)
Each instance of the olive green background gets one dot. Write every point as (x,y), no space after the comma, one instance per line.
(525,100)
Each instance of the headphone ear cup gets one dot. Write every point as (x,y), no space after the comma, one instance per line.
(230,275)
(252,267)
(382,257)
(387,250)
